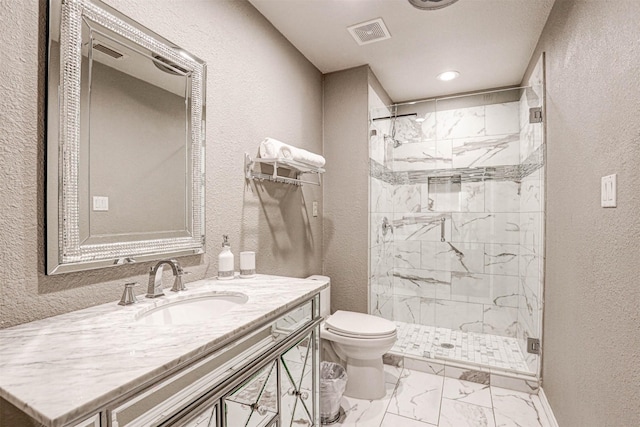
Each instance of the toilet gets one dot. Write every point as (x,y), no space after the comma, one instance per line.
(359,340)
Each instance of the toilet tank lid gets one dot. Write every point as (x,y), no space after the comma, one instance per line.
(350,322)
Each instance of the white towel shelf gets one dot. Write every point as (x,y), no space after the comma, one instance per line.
(297,167)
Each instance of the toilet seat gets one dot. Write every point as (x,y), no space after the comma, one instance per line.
(359,337)
(358,325)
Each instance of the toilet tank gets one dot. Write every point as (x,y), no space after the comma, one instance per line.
(325,296)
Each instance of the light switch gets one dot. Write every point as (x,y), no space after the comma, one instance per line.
(608,191)
(100,203)
(315,209)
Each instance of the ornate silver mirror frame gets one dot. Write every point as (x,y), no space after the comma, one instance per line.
(66,249)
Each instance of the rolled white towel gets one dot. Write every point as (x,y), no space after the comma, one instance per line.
(302,156)
(273,149)
(270,148)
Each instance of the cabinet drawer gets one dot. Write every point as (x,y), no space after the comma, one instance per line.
(166,398)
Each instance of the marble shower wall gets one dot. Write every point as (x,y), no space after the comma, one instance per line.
(531,266)
(470,173)
(469,281)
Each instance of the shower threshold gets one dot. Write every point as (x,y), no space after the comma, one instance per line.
(469,347)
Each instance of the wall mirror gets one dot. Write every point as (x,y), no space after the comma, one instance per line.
(125,141)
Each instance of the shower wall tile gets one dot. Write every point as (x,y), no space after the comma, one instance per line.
(407,130)
(485,227)
(423,226)
(406,308)
(531,193)
(455,257)
(428,311)
(480,279)
(380,196)
(472,197)
(530,229)
(500,321)
(486,151)
(530,262)
(425,155)
(381,305)
(504,290)
(502,118)
(457,315)
(487,289)
(406,198)
(460,123)
(422,283)
(502,196)
(501,259)
(407,254)
(381,266)
(429,126)
(471,287)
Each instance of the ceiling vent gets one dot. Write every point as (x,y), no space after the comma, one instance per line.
(369,32)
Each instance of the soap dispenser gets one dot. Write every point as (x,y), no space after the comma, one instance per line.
(225,260)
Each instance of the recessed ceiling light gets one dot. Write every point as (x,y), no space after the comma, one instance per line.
(420,119)
(448,75)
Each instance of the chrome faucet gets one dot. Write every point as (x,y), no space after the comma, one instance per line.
(154,289)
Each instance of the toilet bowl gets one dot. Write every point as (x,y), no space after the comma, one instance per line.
(359,340)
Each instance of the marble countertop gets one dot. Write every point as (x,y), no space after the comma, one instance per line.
(62,367)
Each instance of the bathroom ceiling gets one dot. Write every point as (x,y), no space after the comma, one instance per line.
(489,42)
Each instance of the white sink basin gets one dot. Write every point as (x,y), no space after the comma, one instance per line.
(192,311)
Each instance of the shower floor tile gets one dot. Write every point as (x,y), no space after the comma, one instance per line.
(473,347)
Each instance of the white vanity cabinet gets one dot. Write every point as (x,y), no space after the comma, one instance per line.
(267,377)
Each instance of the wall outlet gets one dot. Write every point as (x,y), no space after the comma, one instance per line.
(315,209)
(608,191)
(100,203)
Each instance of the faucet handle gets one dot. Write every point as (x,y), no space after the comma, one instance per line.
(128,297)
(177,283)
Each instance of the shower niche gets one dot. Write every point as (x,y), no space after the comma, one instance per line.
(461,183)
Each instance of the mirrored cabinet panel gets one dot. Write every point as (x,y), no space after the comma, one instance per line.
(255,402)
(296,387)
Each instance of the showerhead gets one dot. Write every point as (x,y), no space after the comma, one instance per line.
(431,4)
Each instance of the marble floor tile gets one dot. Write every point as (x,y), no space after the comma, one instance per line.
(467,392)
(393,420)
(460,414)
(425,400)
(418,396)
(365,413)
(517,409)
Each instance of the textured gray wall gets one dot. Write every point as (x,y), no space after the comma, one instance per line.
(591,342)
(346,187)
(258,85)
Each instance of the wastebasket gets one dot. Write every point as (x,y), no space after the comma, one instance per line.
(333,381)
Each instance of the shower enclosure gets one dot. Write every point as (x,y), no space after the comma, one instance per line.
(456,225)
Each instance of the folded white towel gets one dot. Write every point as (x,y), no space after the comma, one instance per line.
(272,149)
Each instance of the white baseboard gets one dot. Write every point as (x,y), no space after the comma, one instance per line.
(547,408)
